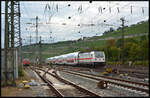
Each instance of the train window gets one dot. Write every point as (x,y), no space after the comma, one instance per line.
(99,54)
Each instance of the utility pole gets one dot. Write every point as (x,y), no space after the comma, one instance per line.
(19,39)
(122,19)
(30,39)
(37,57)
(30,49)
(40,57)
(36,29)
(36,43)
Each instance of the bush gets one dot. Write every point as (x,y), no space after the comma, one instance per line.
(113,63)
(142,63)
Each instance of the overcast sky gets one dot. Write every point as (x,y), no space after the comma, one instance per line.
(55,25)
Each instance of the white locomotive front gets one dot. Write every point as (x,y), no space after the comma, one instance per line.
(93,58)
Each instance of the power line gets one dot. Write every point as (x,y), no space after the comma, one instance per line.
(25,9)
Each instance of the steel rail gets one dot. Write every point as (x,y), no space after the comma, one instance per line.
(109,81)
(58,94)
(137,83)
(73,84)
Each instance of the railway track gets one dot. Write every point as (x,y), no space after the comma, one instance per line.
(137,74)
(119,82)
(58,94)
(78,91)
(133,73)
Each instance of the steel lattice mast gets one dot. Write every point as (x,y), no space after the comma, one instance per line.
(12,36)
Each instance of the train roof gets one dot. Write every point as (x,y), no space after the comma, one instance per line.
(74,53)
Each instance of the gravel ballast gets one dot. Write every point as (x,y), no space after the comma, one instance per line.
(112,90)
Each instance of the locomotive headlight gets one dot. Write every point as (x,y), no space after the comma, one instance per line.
(100,58)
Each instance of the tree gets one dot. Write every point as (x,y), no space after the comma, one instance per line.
(127,49)
(111,29)
(143,38)
(145,49)
(110,42)
(132,40)
(106,32)
(119,28)
(114,53)
(134,52)
(119,43)
(107,53)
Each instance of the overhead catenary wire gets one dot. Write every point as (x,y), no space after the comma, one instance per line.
(25,9)
(74,16)
(111,8)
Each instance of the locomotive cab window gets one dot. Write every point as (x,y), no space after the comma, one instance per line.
(99,54)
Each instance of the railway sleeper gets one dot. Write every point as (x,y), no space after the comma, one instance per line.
(84,90)
(108,81)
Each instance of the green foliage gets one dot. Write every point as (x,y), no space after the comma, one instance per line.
(132,40)
(134,52)
(143,27)
(113,63)
(145,49)
(144,63)
(127,49)
(143,38)
(114,53)
(118,43)
(107,53)
(110,42)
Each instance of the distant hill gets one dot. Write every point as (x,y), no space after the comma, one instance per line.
(49,50)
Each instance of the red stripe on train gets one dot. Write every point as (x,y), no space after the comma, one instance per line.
(85,58)
(71,60)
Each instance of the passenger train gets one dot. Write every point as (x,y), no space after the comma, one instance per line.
(93,58)
(26,62)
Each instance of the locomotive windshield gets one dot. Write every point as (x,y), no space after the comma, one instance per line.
(99,54)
